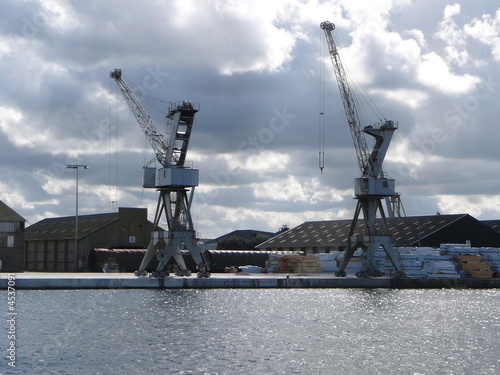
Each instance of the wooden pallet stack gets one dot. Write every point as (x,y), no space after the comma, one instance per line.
(473,266)
(297,264)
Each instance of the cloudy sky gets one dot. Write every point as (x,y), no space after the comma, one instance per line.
(257,69)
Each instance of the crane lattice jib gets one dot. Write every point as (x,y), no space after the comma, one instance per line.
(147,124)
(351,112)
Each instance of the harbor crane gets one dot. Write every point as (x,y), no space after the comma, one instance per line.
(373,185)
(175,181)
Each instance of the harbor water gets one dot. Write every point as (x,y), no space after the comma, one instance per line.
(254,331)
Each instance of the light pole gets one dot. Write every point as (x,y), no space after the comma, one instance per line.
(76,166)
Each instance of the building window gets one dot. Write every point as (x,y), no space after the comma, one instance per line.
(10,241)
(9,227)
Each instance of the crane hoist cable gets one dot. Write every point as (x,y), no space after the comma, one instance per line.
(373,185)
(152,102)
(113,150)
(361,96)
(321,119)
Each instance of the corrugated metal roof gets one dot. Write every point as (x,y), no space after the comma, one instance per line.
(246,234)
(64,227)
(495,224)
(405,231)
(8,214)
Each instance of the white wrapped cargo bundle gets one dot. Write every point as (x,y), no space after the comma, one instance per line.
(440,267)
(491,258)
(330,256)
(329,266)
(462,250)
(250,269)
(412,265)
(405,257)
(489,251)
(434,257)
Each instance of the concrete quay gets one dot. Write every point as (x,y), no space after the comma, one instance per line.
(35,280)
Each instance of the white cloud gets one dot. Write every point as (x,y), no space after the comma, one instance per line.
(453,36)
(456,56)
(229,219)
(448,29)
(240,60)
(58,14)
(487,31)
(417,36)
(474,205)
(436,73)
(255,42)
(12,197)
(10,121)
(414,99)
(289,189)
(262,162)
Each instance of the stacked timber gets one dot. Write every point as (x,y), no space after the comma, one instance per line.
(295,264)
(492,256)
(473,266)
(231,269)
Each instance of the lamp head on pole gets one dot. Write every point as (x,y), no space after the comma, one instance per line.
(76,166)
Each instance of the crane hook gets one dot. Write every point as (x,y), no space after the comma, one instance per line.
(321,161)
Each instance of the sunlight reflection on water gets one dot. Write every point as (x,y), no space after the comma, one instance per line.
(258,331)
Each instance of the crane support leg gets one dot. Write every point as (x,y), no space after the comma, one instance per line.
(371,242)
(155,242)
(173,249)
(202,262)
(181,236)
(351,248)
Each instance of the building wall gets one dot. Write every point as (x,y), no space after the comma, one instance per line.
(50,255)
(308,250)
(132,229)
(12,247)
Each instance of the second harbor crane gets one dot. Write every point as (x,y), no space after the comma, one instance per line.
(175,183)
(373,185)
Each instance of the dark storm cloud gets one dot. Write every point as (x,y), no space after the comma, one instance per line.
(254,69)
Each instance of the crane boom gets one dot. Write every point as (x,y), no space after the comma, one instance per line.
(153,135)
(175,184)
(373,185)
(349,103)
